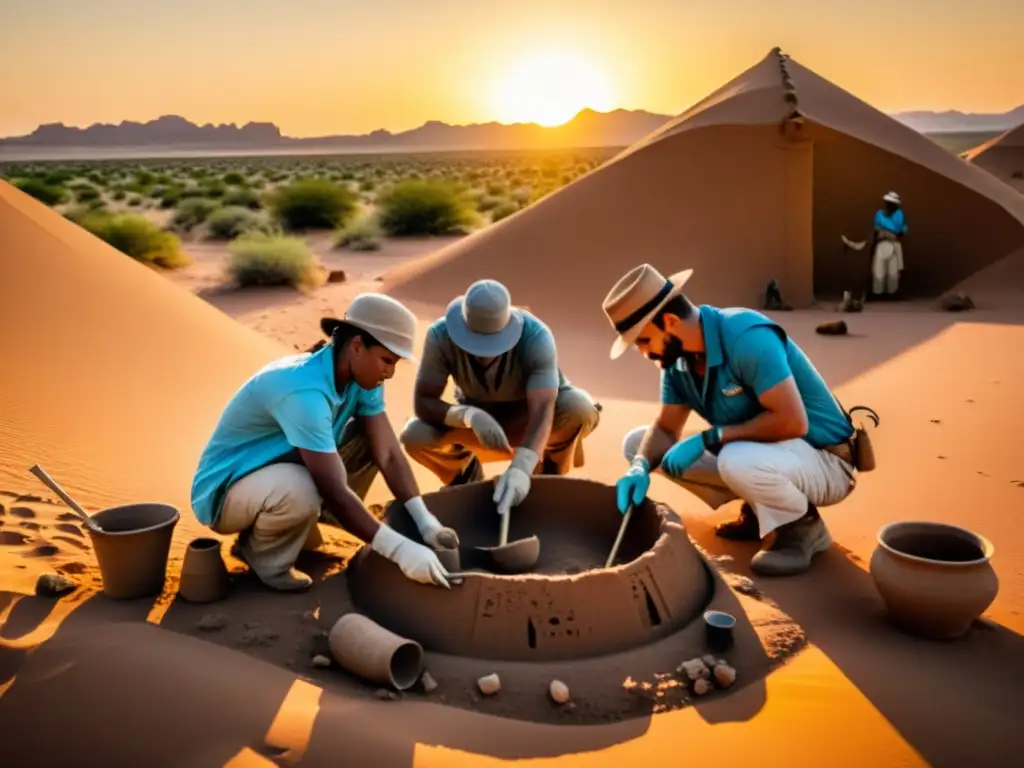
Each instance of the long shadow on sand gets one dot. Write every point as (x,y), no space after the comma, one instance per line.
(957,703)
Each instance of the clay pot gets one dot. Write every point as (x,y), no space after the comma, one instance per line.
(449,558)
(204,577)
(132,548)
(367,649)
(935,579)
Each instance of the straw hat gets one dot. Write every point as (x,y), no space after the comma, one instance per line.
(891,197)
(634,301)
(483,321)
(383,317)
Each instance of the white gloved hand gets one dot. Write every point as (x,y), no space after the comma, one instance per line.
(416,561)
(486,428)
(433,533)
(514,484)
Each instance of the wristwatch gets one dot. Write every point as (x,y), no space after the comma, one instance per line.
(712,440)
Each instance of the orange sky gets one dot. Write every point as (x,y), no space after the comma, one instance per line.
(350,66)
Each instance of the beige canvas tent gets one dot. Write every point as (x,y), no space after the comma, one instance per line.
(758,180)
(112,376)
(1002,156)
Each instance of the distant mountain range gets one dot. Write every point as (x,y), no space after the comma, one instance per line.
(587,129)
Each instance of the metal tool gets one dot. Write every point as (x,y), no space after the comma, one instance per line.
(618,538)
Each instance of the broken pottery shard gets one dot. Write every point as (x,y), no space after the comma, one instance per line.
(724,675)
(701,687)
(336,276)
(428,682)
(54,585)
(559,691)
(321,661)
(709,660)
(489,684)
(695,669)
(211,622)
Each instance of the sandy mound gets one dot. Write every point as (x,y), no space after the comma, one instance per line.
(1002,156)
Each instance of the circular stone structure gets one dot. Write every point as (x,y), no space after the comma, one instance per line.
(570,606)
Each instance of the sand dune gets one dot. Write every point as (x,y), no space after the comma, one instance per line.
(1002,156)
(119,376)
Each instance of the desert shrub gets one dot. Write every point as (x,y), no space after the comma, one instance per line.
(231,221)
(258,258)
(192,212)
(364,234)
(496,190)
(503,211)
(367,185)
(85,194)
(48,194)
(312,204)
(135,201)
(234,179)
(57,178)
(488,203)
(118,194)
(415,207)
(246,198)
(135,236)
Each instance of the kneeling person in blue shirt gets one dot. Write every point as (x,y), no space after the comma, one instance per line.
(304,438)
(778,440)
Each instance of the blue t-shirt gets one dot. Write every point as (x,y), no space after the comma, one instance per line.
(895,223)
(747,354)
(531,364)
(290,403)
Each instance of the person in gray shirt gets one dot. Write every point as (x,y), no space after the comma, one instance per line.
(512,401)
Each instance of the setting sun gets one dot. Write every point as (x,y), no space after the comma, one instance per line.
(550,89)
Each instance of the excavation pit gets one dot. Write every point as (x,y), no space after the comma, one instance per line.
(570,606)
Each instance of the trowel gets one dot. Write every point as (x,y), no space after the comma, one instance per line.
(519,556)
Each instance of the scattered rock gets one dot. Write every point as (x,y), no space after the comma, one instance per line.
(745,585)
(695,669)
(54,585)
(256,634)
(834,328)
(336,276)
(428,682)
(956,302)
(701,687)
(385,695)
(489,684)
(724,675)
(321,661)
(935,421)
(212,622)
(559,691)
(709,660)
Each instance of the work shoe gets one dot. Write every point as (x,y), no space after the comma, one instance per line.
(743,528)
(291,580)
(473,472)
(795,545)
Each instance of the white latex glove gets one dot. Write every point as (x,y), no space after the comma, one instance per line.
(433,533)
(486,428)
(514,484)
(416,561)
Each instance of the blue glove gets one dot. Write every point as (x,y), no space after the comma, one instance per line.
(681,456)
(632,486)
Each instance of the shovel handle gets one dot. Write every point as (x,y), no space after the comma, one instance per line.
(503,537)
(618,538)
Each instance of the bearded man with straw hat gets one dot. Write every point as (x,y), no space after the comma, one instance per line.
(511,399)
(777,438)
(303,439)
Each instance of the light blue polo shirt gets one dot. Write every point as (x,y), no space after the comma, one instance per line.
(531,364)
(290,403)
(895,223)
(747,354)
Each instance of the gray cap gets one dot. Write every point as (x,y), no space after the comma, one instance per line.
(483,321)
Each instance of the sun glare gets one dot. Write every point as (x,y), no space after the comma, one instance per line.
(550,89)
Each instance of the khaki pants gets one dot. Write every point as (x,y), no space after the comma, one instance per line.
(775,479)
(886,267)
(276,508)
(448,451)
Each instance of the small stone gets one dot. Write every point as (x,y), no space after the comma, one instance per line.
(212,622)
(385,695)
(54,585)
(834,328)
(709,660)
(489,684)
(428,682)
(559,691)
(336,276)
(321,661)
(695,669)
(724,675)
(701,687)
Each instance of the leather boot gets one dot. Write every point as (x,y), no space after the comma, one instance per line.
(794,546)
(743,528)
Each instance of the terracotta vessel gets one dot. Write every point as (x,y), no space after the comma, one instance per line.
(132,548)
(935,579)
(204,577)
(365,648)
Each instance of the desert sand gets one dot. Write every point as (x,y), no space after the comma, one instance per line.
(114,377)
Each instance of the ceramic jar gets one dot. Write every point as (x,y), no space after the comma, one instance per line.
(204,577)
(935,579)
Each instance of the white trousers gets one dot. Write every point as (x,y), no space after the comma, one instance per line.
(886,267)
(777,480)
